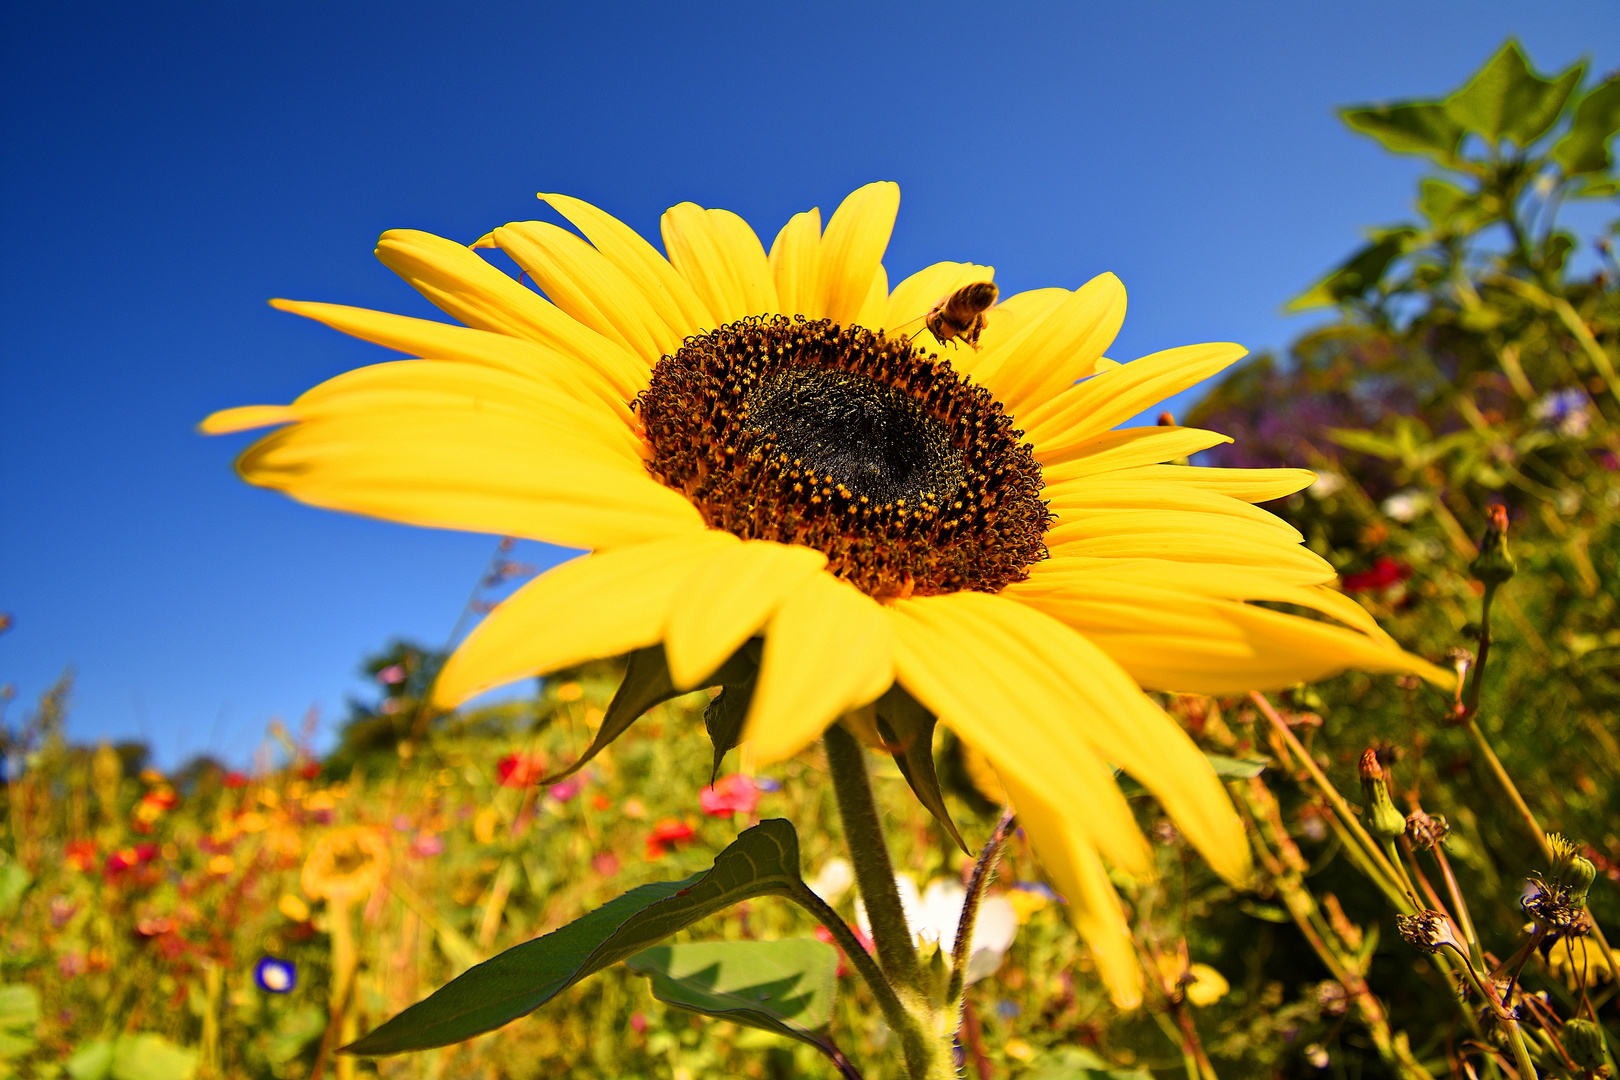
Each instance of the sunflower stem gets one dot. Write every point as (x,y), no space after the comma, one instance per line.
(927,1049)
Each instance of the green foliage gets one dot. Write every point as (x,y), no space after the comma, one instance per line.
(785,987)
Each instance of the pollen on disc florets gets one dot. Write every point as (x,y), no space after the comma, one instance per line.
(910,478)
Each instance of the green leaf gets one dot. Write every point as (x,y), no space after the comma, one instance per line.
(1448,206)
(785,987)
(149,1056)
(1505,99)
(1266,912)
(909,728)
(1231,768)
(14,882)
(1585,146)
(646,684)
(92,1061)
(1412,127)
(1079,1063)
(19,1007)
(763,861)
(294,1032)
(725,715)
(1359,273)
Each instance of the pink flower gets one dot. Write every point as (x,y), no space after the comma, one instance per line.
(638,1023)
(392,675)
(605,863)
(734,794)
(566,790)
(426,845)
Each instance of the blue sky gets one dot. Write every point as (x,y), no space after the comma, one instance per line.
(172,166)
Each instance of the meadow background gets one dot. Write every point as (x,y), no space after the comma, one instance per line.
(166,799)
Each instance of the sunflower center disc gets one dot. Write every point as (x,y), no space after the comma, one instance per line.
(906,475)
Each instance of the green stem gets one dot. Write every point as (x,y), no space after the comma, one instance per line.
(927,1049)
(893,1012)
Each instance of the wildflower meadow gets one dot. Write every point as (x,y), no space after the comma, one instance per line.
(611,875)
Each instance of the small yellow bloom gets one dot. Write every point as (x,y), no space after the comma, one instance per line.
(1575,959)
(221,865)
(570,691)
(1018,1050)
(293,907)
(345,865)
(485,823)
(253,822)
(320,802)
(1201,984)
(1025,903)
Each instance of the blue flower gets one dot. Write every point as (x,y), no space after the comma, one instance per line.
(766,783)
(276,976)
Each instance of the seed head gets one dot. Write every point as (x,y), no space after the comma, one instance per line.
(1428,931)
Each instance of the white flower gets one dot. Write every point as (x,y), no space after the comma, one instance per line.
(933,917)
(833,880)
(1406,505)
(1327,483)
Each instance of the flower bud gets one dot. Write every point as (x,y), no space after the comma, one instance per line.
(1583,1042)
(1383,820)
(1572,871)
(1494,564)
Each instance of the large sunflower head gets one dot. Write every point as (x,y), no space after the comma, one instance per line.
(777,448)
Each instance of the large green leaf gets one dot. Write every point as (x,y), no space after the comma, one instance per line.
(909,728)
(1585,147)
(786,987)
(763,861)
(92,1061)
(14,882)
(1506,100)
(1359,273)
(19,1014)
(148,1056)
(1412,127)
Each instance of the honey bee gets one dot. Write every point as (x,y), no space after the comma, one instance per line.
(961,314)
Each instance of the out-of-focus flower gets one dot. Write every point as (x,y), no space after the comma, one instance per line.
(570,691)
(252,822)
(235,779)
(521,769)
(566,790)
(392,675)
(221,865)
(933,916)
(1406,505)
(666,835)
(1576,960)
(734,794)
(345,865)
(1568,412)
(80,854)
(600,802)
(62,909)
(634,809)
(293,907)
(485,823)
(72,965)
(1018,1050)
(1317,1056)
(1199,984)
(1028,897)
(768,784)
(605,863)
(129,858)
(832,882)
(638,1023)
(276,976)
(154,925)
(1326,485)
(1384,573)
(309,770)
(426,845)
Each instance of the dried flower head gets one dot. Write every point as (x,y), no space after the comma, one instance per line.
(1426,830)
(1428,931)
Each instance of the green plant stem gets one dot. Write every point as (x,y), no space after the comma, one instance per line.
(893,1012)
(1521,1053)
(927,1049)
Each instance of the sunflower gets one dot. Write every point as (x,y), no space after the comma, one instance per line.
(775,446)
(345,865)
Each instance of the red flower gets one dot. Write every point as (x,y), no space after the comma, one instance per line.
(129,858)
(667,834)
(309,770)
(1384,573)
(734,794)
(81,854)
(521,770)
(235,779)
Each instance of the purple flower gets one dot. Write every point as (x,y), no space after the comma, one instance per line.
(276,976)
(767,783)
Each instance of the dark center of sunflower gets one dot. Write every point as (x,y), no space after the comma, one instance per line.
(910,478)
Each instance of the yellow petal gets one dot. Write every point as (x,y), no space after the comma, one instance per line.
(431,386)
(1098,404)
(468,288)
(856,238)
(471,470)
(828,650)
(1250,485)
(246,418)
(1064,848)
(445,341)
(584,283)
(962,656)
(877,301)
(1079,688)
(913,297)
(796,264)
(592,607)
(1219,540)
(1125,448)
(1051,352)
(720,256)
(728,601)
(680,308)
(1122,491)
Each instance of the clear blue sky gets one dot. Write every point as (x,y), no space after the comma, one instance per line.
(169,167)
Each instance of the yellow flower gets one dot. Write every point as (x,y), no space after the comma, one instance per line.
(774,445)
(345,865)
(293,907)
(1577,961)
